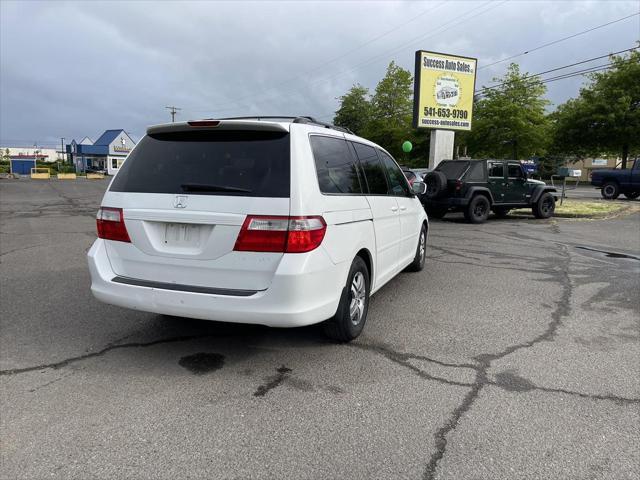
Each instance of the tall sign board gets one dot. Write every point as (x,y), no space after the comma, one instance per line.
(443,91)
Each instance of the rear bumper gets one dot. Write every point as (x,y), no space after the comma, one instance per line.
(305,290)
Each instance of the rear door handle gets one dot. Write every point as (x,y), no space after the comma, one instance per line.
(403,208)
(394,209)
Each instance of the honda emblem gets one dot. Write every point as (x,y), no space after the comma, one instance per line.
(180,201)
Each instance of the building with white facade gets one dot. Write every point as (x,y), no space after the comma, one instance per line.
(107,153)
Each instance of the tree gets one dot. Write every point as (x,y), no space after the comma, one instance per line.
(392,110)
(355,110)
(509,120)
(605,118)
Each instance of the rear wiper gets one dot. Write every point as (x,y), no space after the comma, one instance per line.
(204,187)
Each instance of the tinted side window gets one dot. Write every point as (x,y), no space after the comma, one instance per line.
(496,169)
(452,169)
(372,167)
(514,171)
(336,167)
(475,172)
(397,180)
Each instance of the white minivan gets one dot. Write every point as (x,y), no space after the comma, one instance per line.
(273,220)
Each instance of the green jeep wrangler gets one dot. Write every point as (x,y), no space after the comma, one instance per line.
(475,187)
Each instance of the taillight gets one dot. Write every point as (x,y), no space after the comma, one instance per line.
(110,223)
(280,234)
(458,185)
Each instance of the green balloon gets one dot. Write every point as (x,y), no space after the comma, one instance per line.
(406,147)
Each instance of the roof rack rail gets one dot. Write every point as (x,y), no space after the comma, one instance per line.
(293,119)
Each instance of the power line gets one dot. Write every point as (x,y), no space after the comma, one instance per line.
(459,19)
(492,87)
(559,40)
(577,73)
(347,53)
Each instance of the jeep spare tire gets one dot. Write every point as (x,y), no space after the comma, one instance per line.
(436,184)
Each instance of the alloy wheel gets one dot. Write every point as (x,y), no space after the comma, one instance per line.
(358,298)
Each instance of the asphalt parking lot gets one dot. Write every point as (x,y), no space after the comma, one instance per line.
(514,354)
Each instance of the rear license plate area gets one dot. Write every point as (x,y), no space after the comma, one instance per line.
(182,235)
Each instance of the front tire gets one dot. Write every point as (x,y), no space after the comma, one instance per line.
(632,195)
(421,252)
(351,315)
(545,206)
(478,209)
(610,191)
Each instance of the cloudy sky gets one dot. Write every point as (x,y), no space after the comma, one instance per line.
(70,69)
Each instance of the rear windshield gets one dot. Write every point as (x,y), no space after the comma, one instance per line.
(242,163)
(453,169)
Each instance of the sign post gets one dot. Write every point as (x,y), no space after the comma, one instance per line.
(443,99)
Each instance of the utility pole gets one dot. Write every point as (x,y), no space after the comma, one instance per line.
(61,151)
(173,111)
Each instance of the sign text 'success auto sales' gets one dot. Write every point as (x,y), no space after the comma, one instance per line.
(443,91)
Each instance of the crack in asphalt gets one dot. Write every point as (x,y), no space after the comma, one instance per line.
(402,359)
(608,254)
(485,361)
(20,249)
(273,382)
(68,361)
(562,309)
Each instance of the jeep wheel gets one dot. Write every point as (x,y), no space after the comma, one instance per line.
(545,206)
(351,315)
(478,209)
(436,183)
(421,252)
(436,212)
(632,195)
(501,212)
(610,190)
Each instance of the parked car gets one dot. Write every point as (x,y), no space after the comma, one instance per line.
(475,187)
(276,221)
(410,175)
(614,181)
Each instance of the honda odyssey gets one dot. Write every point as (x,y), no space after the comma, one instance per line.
(273,220)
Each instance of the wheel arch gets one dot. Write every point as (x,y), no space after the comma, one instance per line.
(539,190)
(366,256)
(473,191)
(610,180)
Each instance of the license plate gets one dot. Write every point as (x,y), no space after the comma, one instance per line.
(182,235)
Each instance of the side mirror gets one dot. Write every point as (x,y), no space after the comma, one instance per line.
(419,188)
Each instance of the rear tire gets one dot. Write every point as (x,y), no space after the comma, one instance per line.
(610,191)
(632,195)
(351,315)
(545,206)
(421,252)
(478,209)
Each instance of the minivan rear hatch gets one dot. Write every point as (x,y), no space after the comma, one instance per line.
(185,191)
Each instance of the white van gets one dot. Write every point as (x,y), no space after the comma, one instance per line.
(275,221)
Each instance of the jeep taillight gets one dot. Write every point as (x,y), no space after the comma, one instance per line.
(260,233)
(458,185)
(110,224)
